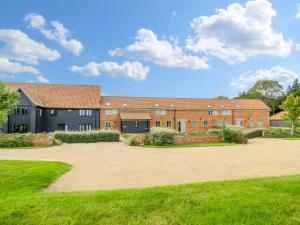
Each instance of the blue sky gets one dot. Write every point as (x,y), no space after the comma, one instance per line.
(151,48)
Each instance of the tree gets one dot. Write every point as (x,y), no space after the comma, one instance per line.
(8,100)
(294,88)
(292,106)
(269,91)
(221,97)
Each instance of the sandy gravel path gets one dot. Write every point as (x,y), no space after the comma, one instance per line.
(115,166)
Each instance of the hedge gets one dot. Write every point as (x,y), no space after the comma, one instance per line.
(280,133)
(87,137)
(16,140)
(253,133)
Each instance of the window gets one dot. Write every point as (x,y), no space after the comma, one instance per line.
(85,127)
(85,112)
(19,128)
(108,124)
(251,123)
(226,122)
(205,123)
(41,112)
(194,123)
(157,123)
(53,112)
(21,111)
(63,127)
(160,112)
(213,112)
(136,124)
(226,112)
(110,112)
(239,123)
(169,123)
(219,123)
(260,123)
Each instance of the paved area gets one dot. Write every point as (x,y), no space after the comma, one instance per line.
(115,165)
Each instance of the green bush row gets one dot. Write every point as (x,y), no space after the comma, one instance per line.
(16,140)
(87,137)
(253,133)
(233,136)
(280,133)
(161,136)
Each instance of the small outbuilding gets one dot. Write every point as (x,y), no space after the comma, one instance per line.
(277,120)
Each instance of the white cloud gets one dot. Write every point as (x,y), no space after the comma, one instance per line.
(8,67)
(42,79)
(19,47)
(282,75)
(57,33)
(134,70)
(160,52)
(298,13)
(238,32)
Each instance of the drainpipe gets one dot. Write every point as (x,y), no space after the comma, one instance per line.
(175,119)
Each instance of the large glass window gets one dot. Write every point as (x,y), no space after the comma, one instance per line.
(19,128)
(108,124)
(20,111)
(85,127)
(62,127)
(111,112)
(85,112)
(194,123)
(169,124)
(160,112)
(213,112)
(226,112)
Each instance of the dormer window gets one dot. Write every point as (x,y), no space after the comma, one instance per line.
(238,105)
(209,106)
(125,105)
(156,105)
(107,103)
(222,106)
(172,105)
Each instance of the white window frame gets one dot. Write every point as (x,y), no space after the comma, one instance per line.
(85,127)
(194,123)
(205,123)
(226,112)
(169,122)
(261,123)
(160,112)
(108,124)
(251,123)
(157,122)
(111,112)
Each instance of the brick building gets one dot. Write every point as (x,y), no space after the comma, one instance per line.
(50,107)
(138,114)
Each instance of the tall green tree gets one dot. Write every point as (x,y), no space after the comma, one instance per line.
(292,106)
(8,100)
(294,88)
(269,91)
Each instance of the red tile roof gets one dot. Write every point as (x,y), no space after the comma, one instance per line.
(279,116)
(60,95)
(180,103)
(134,116)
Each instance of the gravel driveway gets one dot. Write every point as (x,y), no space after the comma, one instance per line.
(116,165)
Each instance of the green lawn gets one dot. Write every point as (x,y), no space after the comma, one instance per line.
(189,145)
(245,202)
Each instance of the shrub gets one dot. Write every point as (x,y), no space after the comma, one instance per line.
(214,131)
(138,140)
(233,136)
(280,133)
(161,136)
(87,137)
(253,133)
(16,140)
(57,142)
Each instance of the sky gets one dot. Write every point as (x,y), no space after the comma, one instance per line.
(169,48)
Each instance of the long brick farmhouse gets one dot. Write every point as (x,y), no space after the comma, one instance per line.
(50,107)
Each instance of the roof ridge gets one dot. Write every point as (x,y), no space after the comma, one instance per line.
(93,85)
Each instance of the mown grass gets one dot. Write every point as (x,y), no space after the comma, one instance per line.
(190,145)
(245,202)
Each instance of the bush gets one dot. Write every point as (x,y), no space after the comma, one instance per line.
(253,133)
(161,136)
(16,140)
(57,142)
(280,133)
(138,140)
(87,137)
(214,131)
(233,136)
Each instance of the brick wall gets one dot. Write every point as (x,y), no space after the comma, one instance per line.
(42,139)
(193,139)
